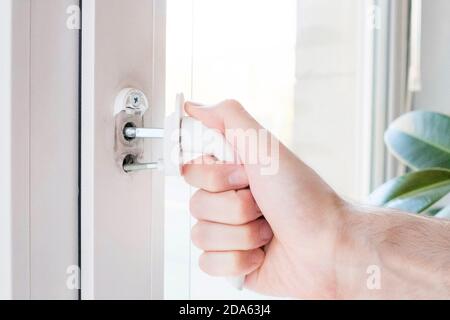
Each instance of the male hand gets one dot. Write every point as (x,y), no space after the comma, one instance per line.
(292,235)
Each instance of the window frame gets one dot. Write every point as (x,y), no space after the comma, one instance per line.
(38,234)
(14,224)
(385,58)
(121,225)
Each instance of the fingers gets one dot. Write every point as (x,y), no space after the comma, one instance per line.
(230,207)
(210,236)
(231,263)
(206,173)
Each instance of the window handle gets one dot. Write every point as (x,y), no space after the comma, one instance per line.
(151,133)
(182,134)
(130,165)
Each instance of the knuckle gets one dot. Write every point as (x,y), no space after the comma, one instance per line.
(233,104)
(234,107)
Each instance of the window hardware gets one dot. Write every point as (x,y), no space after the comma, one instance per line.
(133,133)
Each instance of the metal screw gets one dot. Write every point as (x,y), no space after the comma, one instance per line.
(135,99)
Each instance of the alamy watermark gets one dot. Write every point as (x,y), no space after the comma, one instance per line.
(373,281)
(373,16)
(73,21)
(247,147)
(73,281)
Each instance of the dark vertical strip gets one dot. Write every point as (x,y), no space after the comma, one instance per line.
(79,140)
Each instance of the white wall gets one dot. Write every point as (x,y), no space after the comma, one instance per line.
(326,90)
(435,94)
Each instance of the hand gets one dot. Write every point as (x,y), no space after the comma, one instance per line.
(280,230)
(289,232)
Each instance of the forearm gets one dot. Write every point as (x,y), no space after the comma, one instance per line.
(392,255)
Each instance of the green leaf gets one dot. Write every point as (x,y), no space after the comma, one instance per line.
(444,213)
(413,192)
(432,211)
(421,140)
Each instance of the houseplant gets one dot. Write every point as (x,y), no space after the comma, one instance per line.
(421,140)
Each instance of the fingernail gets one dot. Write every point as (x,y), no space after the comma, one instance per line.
(266,232)
(237,178)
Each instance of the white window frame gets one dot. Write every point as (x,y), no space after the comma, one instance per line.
(14,215)
(122,215)
(39,138)
(40,141)
(384,84)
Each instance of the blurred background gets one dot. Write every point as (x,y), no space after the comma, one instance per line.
(325,76)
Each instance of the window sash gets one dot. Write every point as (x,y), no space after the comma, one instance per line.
(121,214)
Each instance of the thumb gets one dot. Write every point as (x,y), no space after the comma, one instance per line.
(228,114)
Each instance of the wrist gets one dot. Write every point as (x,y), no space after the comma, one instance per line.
(356,255)
(392,255)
